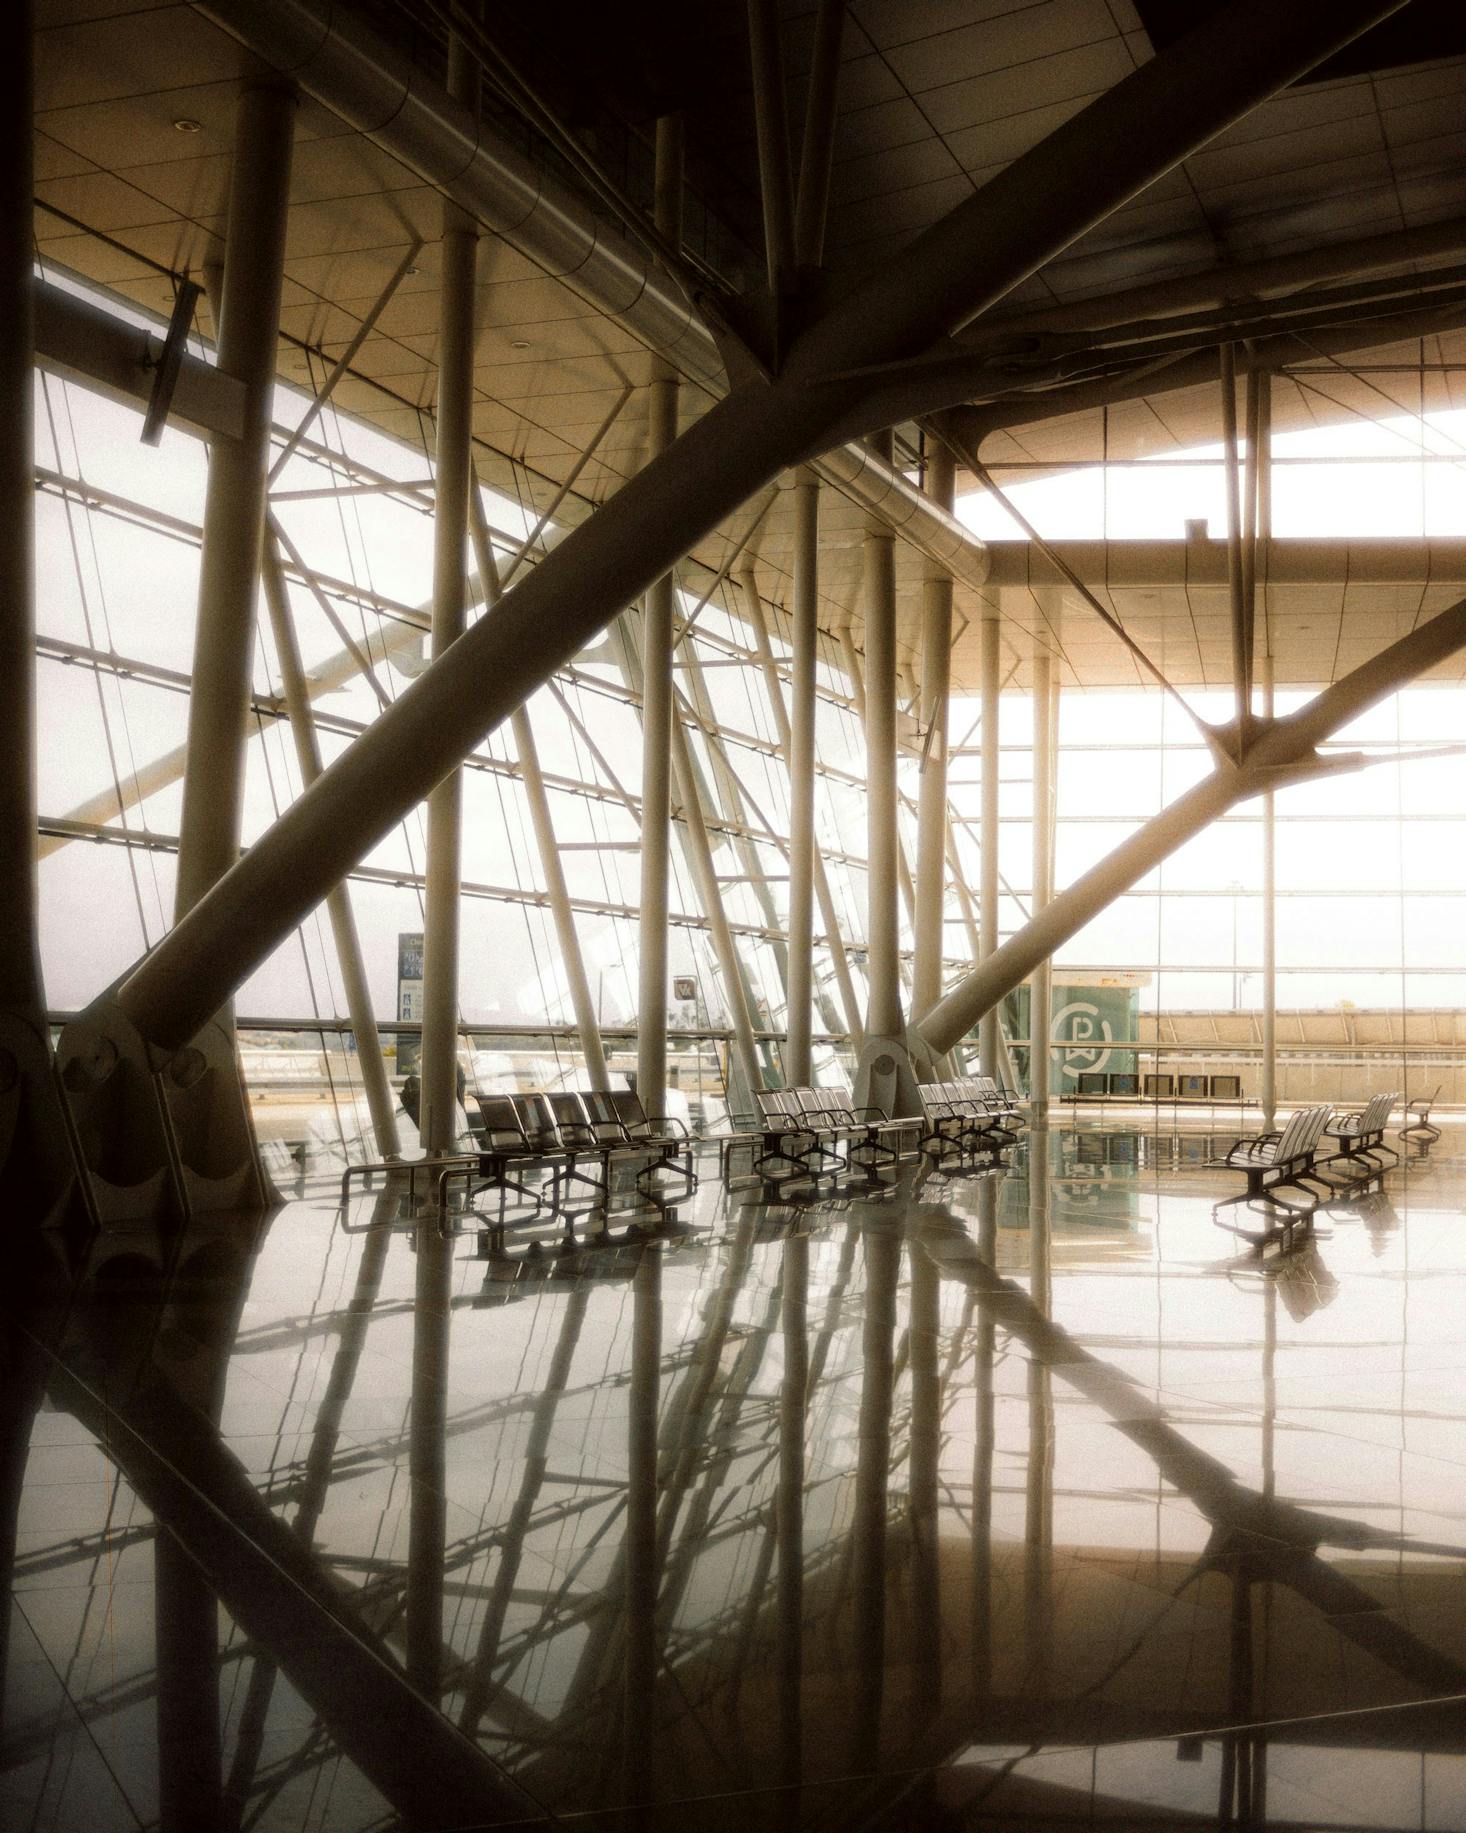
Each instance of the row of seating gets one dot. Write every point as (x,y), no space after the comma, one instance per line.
(558,1153)
(802,1133)
(1320,1154)
(971,1115)
(813,1133)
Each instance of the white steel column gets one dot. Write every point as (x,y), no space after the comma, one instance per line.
(798,1067)
(1040,1003)
(883,926)
(36,1170)
(439,1072)
(20,962)
(657,695)
(438,1129)
(1263,513)
(884,1078)
(234,506)
(987,900)
(380,1102)
(932,823)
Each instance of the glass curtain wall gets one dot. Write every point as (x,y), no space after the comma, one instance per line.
(118,527)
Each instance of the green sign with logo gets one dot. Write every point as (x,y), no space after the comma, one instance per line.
(1087,1023)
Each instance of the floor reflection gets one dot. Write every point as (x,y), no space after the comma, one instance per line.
(971,1500)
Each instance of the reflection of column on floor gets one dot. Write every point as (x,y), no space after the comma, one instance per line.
(427,1460)
(1038,1526)
(709,1443)
(926,1597)
(638,1715)
(793,1401)
(480,1688)
(868,1532)
(682,1432)
(983,1445)
(277,1590)
(316,1483)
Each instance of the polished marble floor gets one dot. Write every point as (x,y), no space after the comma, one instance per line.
(972,1501)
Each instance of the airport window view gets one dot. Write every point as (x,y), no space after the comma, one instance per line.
(735,1018)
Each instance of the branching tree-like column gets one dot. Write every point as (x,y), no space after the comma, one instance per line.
(1282,751)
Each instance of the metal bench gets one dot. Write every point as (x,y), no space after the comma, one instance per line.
(1360,1137)
(1420,1126)
(961,1119)
(786,1146)
(868,1131)
(1272,1163)
(662,1136)
(508,1155)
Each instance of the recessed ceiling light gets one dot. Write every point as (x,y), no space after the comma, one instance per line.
(185,124)
(413,272)
(519,343)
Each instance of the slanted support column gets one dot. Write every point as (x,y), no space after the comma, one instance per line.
(725,949)
(828,915)
(380,1103)
(932,819)
(854,673)
(234,506)
(1040,1005)
(798,1068)
(884,1076)
(987,896)
(657,695)
(571,959)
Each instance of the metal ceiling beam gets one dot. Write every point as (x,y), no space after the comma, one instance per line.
(334,57)
(1133,566)
(1219,287)
(1197,369)
(1097,161)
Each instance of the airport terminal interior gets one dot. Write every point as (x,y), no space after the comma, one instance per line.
(733,915)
